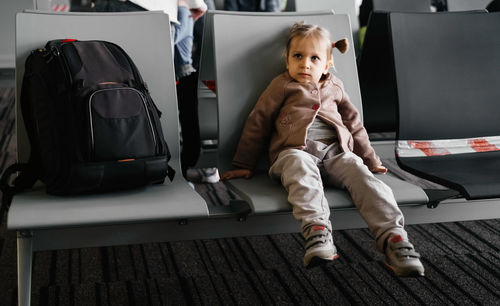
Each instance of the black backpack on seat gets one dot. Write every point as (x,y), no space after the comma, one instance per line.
(91,123)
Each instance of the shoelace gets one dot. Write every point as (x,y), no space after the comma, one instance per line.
(318,235)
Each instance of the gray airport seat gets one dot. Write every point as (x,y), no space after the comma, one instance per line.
(402,5)
(8,10)
(449,97)
(53,5)
(466,5)
(376,69)
(368,6)
(256,46)
(49,222)
(376,74)
(207,89)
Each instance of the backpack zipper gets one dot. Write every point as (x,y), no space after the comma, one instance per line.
(64,65)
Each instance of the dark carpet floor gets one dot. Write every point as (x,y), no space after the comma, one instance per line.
(461,259)
(462,262)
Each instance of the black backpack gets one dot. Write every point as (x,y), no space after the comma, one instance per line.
(91,122)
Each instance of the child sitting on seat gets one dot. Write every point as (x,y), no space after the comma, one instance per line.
(316,137)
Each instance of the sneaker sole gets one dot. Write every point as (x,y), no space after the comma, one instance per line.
(318,261)
(411,273)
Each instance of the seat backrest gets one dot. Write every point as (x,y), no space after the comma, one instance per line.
(8,10)
(147,42)
(402,5)
(447,71)
(466,5)
(338,6)
(375,65)
(376,76)
(249,54)
(368,6)
(207,104)
(376,73)
(53,5)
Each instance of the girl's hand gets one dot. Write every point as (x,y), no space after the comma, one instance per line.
(379,169)
(231,174)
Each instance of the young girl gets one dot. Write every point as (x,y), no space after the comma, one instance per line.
(316,137)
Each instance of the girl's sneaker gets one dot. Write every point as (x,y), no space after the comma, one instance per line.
(401,258)
(319,246)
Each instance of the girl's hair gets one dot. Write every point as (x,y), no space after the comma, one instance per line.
(300,29)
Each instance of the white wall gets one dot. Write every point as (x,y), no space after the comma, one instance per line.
(8,10)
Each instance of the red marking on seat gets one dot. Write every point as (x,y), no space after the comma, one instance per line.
(482,145)
(210,84)
(426,147)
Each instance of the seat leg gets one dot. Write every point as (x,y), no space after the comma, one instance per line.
(24,265)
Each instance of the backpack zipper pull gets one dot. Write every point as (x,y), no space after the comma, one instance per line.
(55,51)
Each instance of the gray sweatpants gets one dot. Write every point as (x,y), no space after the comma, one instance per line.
(303,173)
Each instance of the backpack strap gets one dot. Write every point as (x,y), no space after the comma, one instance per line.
(171,173)
(25,180)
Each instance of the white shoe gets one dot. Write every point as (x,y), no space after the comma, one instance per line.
(203,175)
(319,246)
(401,258)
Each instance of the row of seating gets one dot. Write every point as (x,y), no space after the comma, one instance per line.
(237,93)
(241,54)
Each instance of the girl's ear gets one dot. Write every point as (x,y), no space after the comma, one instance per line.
(328,65)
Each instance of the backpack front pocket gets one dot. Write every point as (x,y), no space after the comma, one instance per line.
(120,125)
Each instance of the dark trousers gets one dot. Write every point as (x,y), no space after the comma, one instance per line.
(188,116)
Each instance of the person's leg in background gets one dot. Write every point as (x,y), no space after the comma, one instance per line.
(188,105)
(198,35)
(183,43)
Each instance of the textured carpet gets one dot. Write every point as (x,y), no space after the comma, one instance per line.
(462,264)
(7,127)
(461,259)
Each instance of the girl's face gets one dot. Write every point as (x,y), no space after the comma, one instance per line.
(307,59)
